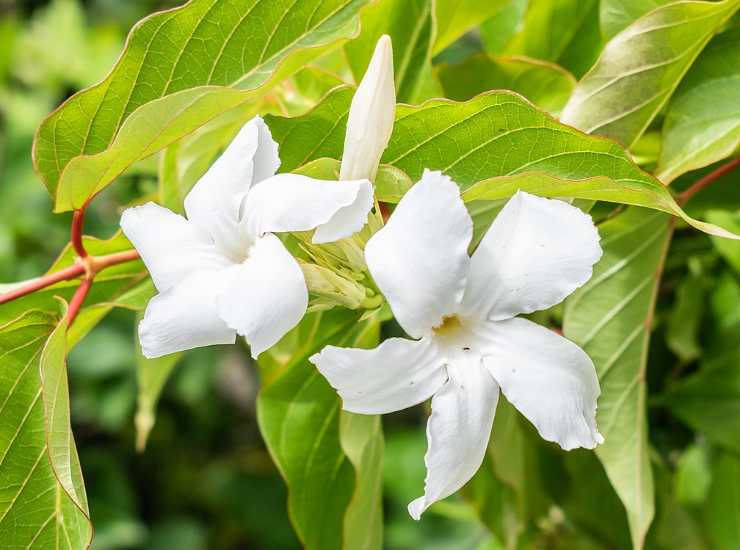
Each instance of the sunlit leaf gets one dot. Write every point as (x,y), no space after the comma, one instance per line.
(723,504)
(702,123)
(640,68)
(611,319)
(42,496)
(180,69)
(617,15)
(455,17)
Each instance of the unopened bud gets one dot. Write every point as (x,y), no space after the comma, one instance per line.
(371,116)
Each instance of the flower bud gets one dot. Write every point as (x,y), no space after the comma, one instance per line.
(371,116)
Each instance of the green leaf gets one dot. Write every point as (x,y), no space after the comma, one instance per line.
(640,68)
(331,462)
(610,318)
(498,30)
(456,17)
(42,498)
(617,15)
(702,124)
(723,505)
(684,321)
(646,192)
(409,24)
(151,375)
(180,69)
(730,251)
(545,84)
(709,400)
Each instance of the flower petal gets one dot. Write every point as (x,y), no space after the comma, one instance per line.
(547,377)
(458,431)
(292,202)
(419,259)
(185,317)
(251,157)
(171,247)
(264,297)
(397,374)
(536,252)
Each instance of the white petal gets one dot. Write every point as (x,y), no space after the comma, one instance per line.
(265,296)
(458,431)
(547,377)
(251,157)
(397,374)
(170,246)
(371,116)
(536,252)
(292,202)
(185,317)
(419,259)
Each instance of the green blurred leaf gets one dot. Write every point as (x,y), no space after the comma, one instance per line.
(611,319)
(702,123)
(409,24)
(498,30)
(640,68)
(709,400)
(151,376)
(617,15)
(180,69)
(684,320)
(42,498)
(545,84)
(693,475)
(646,192)
(729,250)
(331,464)
(723,505)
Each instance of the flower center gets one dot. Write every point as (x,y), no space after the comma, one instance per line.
(451,327)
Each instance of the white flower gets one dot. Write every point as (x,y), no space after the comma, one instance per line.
(469,343)
(221,271)
(371,116)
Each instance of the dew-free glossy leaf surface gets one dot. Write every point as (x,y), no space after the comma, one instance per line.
(640,68)
(611,319)
(180,69)
(702,124)
(42,496)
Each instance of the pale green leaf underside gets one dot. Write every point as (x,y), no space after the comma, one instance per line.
(702,124)
(42,496)
(610,318)
(180,69)
(617,15)
(640,68)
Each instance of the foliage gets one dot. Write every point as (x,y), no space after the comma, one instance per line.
(260,454)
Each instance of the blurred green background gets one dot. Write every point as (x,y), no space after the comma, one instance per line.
(205,479)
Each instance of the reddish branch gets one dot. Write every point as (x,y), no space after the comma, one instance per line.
(707,180)
(86,266)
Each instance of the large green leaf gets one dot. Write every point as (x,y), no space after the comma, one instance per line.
(610,318)
(616,15)
(409,24)
(331,462)
(702,124)
(640,68)
(545,84)
(649,194)
(180,69)
(498,133)
(42,495)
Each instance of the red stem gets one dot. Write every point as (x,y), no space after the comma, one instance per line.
(78,219)
(79,297)
(707,180)
(71,272)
